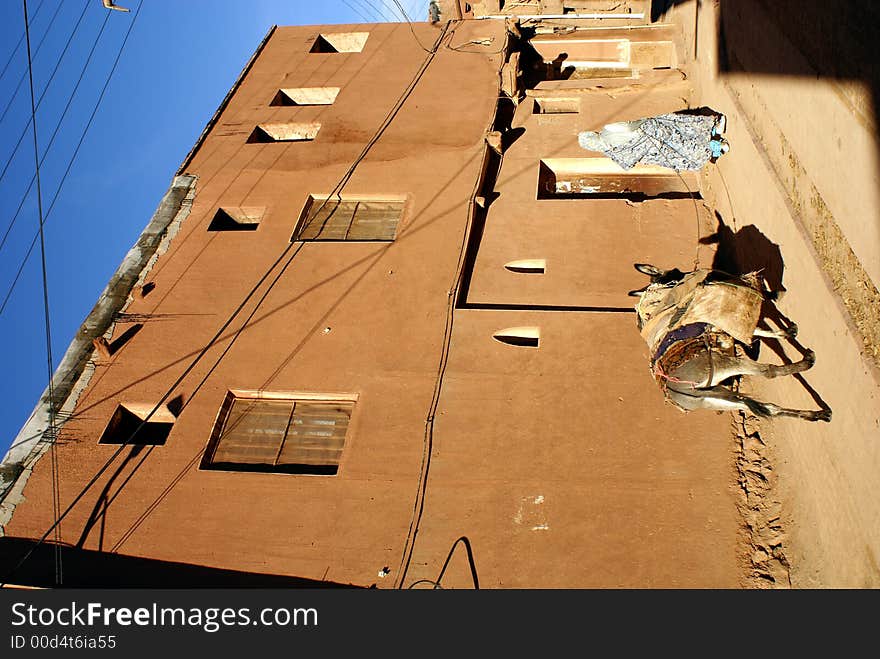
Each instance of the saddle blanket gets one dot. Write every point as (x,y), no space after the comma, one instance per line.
(730,306)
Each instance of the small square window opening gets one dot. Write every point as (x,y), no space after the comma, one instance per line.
(340,42)
(306,96)
(133,423)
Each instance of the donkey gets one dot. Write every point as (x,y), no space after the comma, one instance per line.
(697,325)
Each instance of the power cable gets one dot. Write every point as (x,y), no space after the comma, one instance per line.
(428,439)
(386,122)
(696,216)
(409,23)
(146,419)
(412,7)
(660,144)
(46,314)
(57,127)
(36,52)
(381,11)
(437,583)
(403,11)
(357,11)
(69,416)
(393,11)
(18,44)
(729,200)
(368,7)
(428,444)
(73,157)
(336,192)
(45,89)
(425,7)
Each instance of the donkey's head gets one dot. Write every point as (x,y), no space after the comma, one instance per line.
(658,276)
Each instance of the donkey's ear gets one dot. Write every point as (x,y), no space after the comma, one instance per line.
(648,269)
(637,293)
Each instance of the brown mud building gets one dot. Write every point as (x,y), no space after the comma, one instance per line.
(377,332)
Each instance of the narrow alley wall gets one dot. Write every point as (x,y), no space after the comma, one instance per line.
(798,197)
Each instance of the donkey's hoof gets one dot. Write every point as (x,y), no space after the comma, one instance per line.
(791,331)
(822,415)
(810,358)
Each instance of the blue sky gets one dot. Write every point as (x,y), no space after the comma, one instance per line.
(180,59)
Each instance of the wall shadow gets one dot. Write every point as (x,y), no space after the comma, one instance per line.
(660,7)
(534,69)
(98,515)
(820,40)
(836,40)
(95,569)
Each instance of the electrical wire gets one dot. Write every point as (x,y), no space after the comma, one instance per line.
(729,200)
(660,144)
(55,131)
(146,419)
(73,157)
(46,313)
(697,217)
(370,9)
(420,4)
(386,122)
(394,11)
(381,11)
(18,44)
(401,10)
(409,23)
(45,89)
(428,443)
(336,192)
(410,8)
(357,11)
(35,53)
(158,500)
(61,413)
(428,438)
(437,583)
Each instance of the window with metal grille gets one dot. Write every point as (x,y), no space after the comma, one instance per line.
(349,219)
(286,435)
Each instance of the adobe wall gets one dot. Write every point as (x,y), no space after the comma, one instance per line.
(799,195)
(364,318)
(563,465)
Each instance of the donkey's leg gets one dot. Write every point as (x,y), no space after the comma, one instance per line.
(710,368)
(742,364)
(721,398)
(789,332)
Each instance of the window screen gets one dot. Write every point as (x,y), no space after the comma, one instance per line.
(350,219)
(292,436)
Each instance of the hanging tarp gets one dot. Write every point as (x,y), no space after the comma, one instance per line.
(678,141)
